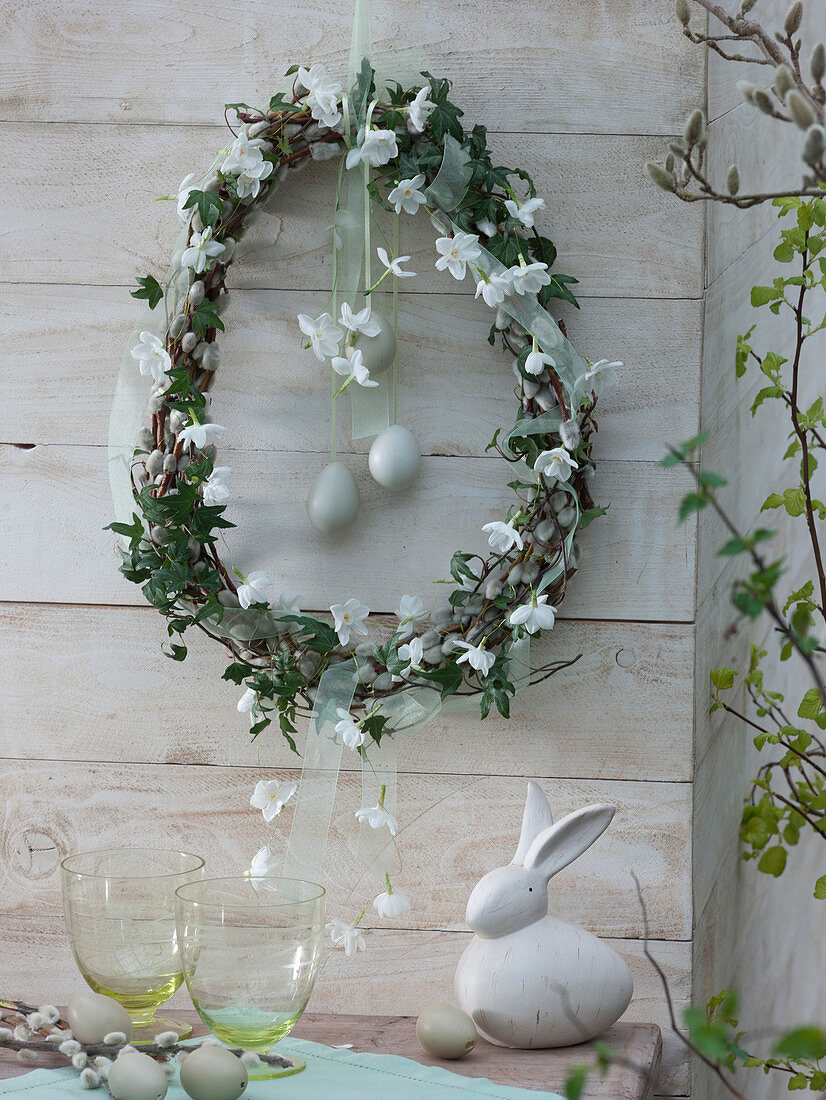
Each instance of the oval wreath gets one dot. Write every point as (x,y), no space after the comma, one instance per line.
(279,654)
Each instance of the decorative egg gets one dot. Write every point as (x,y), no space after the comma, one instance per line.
(333,501)
(395,458)
(213,1073)
(136,1076)
(446,1032)
(377,352)
(91,1016)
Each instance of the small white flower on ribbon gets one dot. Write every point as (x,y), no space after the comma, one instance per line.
(263,863)
(536,362)
(455,253)
(245,153)
(359,322)
(216,490)
(535,615)
(556,464)
(349,619)
(410,609)
(254,588)
(602,376)
(392,903)
(352,368)
(199,435)
(248,701)
(347,936)
(248,180)
(502,537)
(493,288)
(476,656)
(412,652)
(325,335)
(525,211)
(271,796)
(528,279)
(377,147)
(377,817)
(420,110)
(201,249)
(324,95)
(351,733)
(407,195)
(152,357)
(393,266)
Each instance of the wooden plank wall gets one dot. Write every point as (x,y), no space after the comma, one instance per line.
(752,933)
(104,741)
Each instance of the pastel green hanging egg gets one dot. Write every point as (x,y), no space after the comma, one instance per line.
(333,501)
(395,458)
(377,352)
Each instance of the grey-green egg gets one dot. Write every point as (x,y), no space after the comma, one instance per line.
(333,501)
(446,1032)
(377,352)
(395,458)
(136,1076)
(213,1073)
(91,1016)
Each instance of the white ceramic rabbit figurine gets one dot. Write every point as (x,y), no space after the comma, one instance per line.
(528,979)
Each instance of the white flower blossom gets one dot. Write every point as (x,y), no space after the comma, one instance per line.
(264,863)
(411,652)
(502,537)
(394,265)
(535,615)
(456,252)
(288,601)
(377,817)
(537,361)
(410,609)
(359,322)
(248,180)
(324,95)
(557,464)
(184,191)
(201,248)
(247,702)
(602,376)
(349,619)
(216,490)
(351,733)
(487,227)
(375,146)
(245,153)
(199,435)
(493,288)
(352,366)
(271,796)
(407,195)
(525,211)
(254,588)
(392,903)
(325,335)
(420,110)
(528,279)
(152,357)
(476,656)
(347,935)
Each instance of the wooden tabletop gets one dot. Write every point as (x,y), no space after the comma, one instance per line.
(638,1044)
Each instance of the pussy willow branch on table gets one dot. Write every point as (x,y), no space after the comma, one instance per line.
(793,97)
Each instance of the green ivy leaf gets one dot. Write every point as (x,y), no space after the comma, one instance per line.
(209,205)
(820,889)
(150,289)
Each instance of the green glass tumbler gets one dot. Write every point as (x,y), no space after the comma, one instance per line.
(119,906)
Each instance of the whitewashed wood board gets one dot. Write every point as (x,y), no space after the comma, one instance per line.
(401,973)
(547,67)
(636,563)
(271,394)
(453,829)
(100,223)
(591,720)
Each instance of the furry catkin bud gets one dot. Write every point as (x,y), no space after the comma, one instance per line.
(762,100)
(800,110)
(783,81)
(659,176)
(669,163)
(197,293)
(677,149)
(747,5)
(189,342)
(695,127)
(817,62)
(814,145)
(794,17)
(683,12)
(733,180)
(746,89)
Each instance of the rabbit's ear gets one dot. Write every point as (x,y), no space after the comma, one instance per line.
(560,845)
(536,819)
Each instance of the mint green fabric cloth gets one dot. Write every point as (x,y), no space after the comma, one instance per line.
(330,1073)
